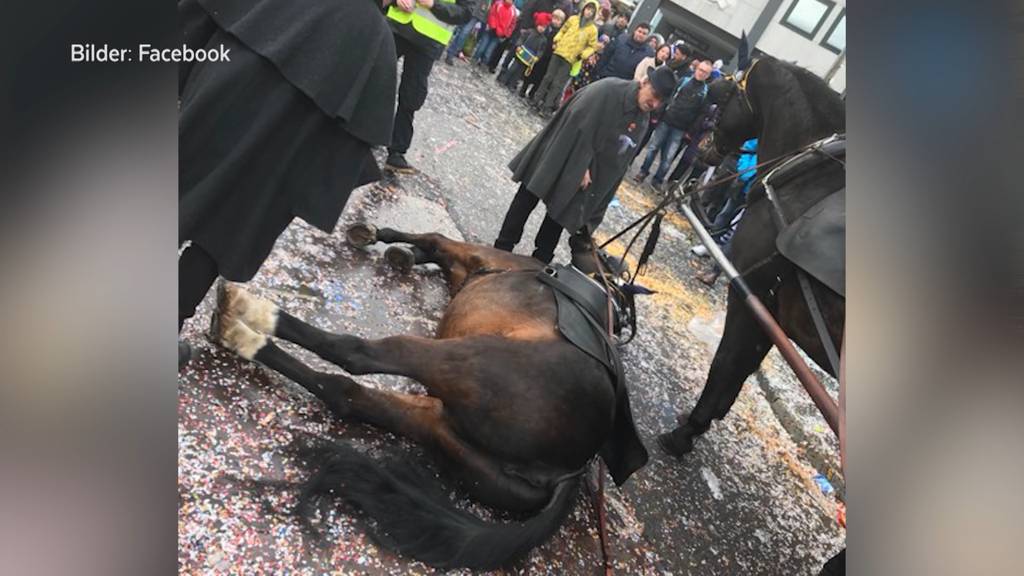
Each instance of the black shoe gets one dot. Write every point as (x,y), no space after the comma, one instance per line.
(675,444)
(448,61)
(396,162)
(184,354)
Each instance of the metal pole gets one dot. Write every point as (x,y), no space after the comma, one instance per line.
(815,390)
(835,66)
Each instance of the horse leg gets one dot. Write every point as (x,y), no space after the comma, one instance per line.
(457,259)
(420,418)
(744,345)
(408,356)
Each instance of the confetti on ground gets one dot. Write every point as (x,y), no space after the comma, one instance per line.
(758,510)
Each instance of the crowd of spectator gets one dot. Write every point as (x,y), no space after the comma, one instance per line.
(546,50)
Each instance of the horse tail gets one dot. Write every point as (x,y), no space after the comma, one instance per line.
(414,517)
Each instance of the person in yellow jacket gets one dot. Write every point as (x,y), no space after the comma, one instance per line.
(422,30)
(576,41)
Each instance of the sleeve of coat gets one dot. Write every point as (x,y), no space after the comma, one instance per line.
(591,44)
(569,152)
(457,13)
(595,219)
(606,57)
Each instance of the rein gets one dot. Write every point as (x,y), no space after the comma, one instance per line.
(658,211)
(599,504)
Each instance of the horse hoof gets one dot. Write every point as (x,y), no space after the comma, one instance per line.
(234,301)
(674,446)
(400,258)
(361,235)
(230,333)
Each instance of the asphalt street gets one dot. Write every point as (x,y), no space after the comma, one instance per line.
(744,502)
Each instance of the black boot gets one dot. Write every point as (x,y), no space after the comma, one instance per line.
(184,354)
(396,162)
(678,442)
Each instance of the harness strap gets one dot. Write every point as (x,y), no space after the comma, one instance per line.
(805,285)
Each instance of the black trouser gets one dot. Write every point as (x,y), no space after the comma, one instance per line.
(412,92)
(509,55)
(510,76)
(197,271)
(550,232)
(515,220)
(500,52)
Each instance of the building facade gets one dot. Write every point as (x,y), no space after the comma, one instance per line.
(809,33)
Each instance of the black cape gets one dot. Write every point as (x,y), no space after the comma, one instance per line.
(284,129)
(598,128)
(341,54)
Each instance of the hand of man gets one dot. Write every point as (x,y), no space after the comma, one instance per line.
(428,4)
(406,5)
(586,179)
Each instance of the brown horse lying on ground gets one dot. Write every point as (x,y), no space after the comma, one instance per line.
(513,408)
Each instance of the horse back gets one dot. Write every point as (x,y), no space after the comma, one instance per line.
(512,305)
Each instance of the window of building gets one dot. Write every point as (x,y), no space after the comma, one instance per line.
(805,17)
(835,38)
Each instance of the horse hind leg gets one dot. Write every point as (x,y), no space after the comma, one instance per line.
(744,345)
(409,356)
(407,415)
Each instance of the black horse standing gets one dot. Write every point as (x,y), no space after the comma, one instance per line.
(787,108)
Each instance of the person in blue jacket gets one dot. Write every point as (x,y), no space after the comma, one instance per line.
(622,54)
(729,216)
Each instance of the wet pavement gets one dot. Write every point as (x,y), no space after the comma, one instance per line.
(744,502)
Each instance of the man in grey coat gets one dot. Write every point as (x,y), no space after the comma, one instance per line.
(575,164)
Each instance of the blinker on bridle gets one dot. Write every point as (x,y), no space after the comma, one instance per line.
(739,86)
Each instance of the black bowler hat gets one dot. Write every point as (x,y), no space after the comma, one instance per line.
(663,80)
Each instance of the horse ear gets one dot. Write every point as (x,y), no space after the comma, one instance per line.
(743,54)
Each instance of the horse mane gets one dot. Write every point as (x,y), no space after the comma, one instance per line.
(826,104)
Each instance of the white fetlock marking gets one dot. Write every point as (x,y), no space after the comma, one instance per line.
(259,314)
(243,340)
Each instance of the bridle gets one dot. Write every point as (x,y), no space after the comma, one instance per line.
(711,146)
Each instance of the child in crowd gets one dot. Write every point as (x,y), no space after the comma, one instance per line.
(587,72)
(531,47)
(533,77)
(501,22)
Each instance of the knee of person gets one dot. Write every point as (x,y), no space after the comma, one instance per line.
(413,98)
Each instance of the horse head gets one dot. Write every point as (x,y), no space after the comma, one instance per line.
(737,121)
(783,105)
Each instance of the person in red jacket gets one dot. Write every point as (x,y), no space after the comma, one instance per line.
(501,22)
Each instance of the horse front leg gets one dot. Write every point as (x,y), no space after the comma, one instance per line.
(744,345)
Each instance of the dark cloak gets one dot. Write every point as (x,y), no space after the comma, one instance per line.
(598,128)
(284,129)
(341,54)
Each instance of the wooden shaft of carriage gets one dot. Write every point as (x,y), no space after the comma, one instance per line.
(828,407)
